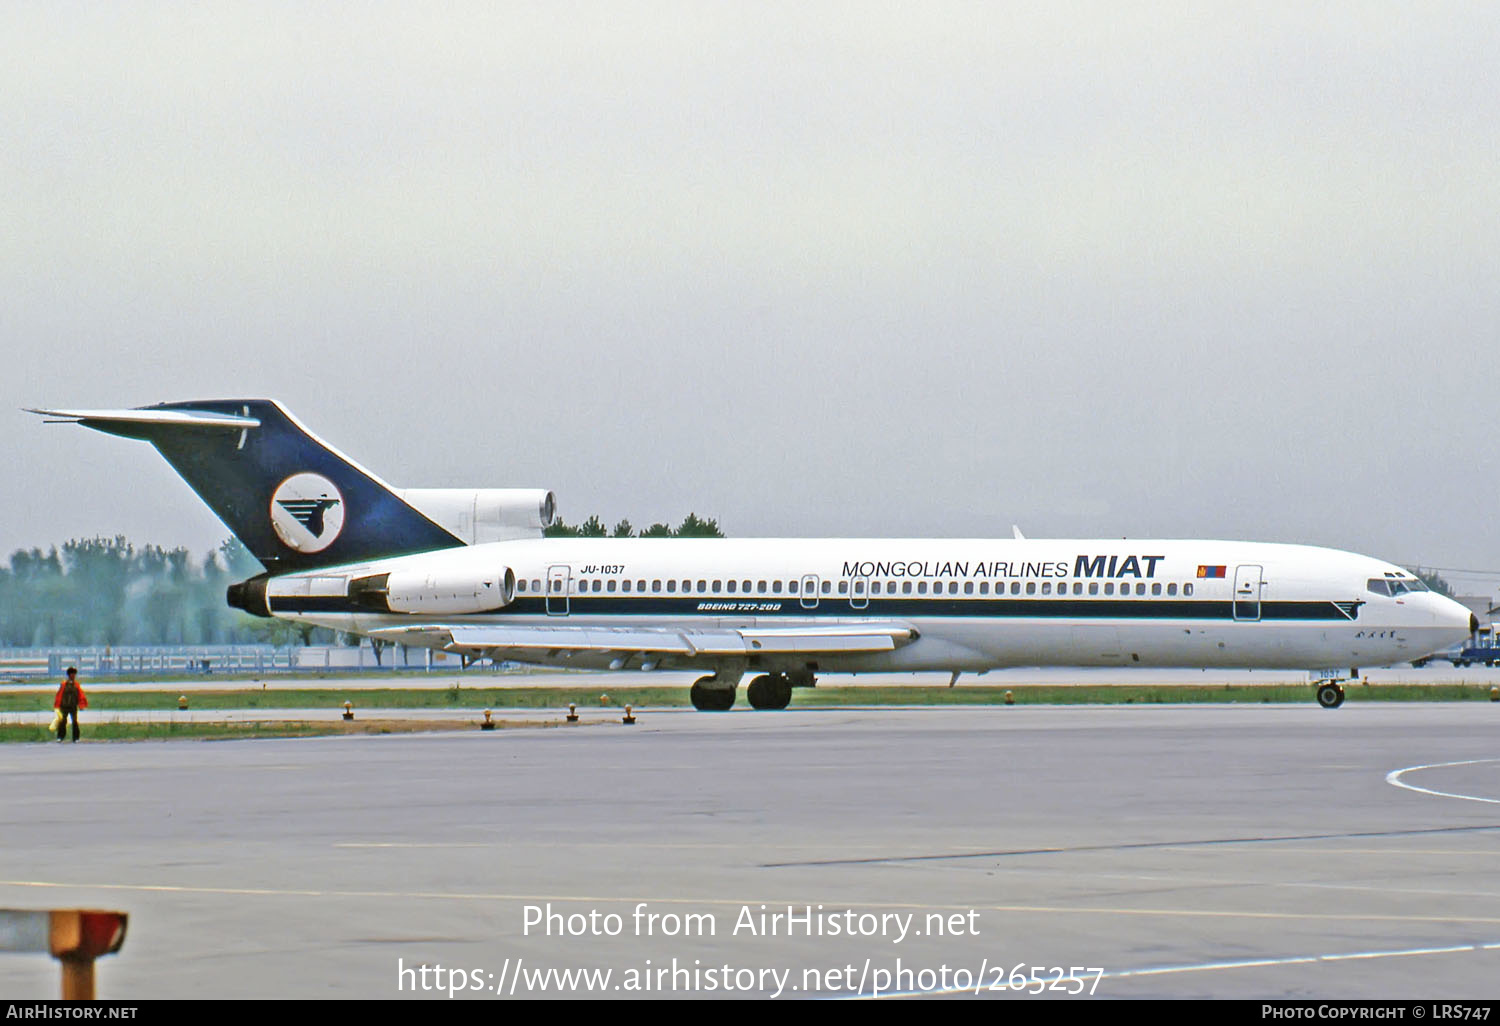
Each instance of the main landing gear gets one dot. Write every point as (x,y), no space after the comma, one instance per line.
(710,694)
(767,691)
(770,691)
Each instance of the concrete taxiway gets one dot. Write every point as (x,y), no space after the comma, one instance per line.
(1243,851)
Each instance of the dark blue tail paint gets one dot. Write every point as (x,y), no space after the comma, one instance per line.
(270,486)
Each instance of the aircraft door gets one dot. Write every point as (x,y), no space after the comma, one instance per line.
(1247,585)
(809,594)
(559,582)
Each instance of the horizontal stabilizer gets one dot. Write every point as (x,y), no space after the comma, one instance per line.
(103,419)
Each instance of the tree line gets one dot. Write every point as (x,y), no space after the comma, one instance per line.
(692,526)
(108,591)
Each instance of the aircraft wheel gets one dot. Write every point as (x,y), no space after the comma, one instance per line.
(770,691)
(1330,696)
(711,699)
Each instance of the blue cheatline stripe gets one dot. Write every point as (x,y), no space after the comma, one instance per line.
(877,608)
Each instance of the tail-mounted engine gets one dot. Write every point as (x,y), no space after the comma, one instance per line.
(457,593)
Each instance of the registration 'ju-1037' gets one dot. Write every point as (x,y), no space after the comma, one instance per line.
(469,571)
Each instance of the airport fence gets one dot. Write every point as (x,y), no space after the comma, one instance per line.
(96,661)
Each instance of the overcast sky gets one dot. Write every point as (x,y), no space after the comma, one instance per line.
(1208,270)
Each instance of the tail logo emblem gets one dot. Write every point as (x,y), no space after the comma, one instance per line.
(307,512)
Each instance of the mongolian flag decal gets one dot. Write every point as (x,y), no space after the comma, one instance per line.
(1211,571)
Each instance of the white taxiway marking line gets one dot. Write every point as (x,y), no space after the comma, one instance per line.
(1201,967)
(1196,913)
(1394,779)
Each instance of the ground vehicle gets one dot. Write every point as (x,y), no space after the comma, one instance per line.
(1482,649)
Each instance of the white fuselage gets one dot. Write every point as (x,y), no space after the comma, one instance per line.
(973,605)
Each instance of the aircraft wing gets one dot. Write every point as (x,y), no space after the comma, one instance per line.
(549,644)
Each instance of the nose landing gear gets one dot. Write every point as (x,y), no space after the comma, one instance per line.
(1330,694)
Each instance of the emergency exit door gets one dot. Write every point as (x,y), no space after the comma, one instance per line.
(559,583)
(1247,585)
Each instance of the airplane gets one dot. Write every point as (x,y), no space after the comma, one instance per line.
(469,571)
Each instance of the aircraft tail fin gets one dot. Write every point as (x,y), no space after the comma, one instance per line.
(294,501)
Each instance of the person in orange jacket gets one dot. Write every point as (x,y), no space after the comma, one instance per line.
(70,698)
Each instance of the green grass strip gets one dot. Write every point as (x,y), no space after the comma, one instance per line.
(677,697)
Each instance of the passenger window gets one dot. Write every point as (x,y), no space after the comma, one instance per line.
(702,587)
(1172,589)
(598,585)
(921,587)
(791,587)
(1187,589)
(640,585)
(776,587)
(718,587)
(1015,587)
(760,586)
(1031,587)
(687,586)
(536,584)
(968,587)
(1093,587)
(1156,589)
(874,587)
(732,585)
(984,587)
(1109,587)
(1077,587)
(1046,587)
(521,585)
(952,587)
(655,586)
(827,587)
(610,586)
(672,586)
(859,587)
(1140,589)
(906,587)
(746,587)
(843,587)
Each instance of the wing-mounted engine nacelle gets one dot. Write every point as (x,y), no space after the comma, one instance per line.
(447,594)
(479,515)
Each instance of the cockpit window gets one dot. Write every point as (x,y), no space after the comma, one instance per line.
(1416,585)
(1378,586)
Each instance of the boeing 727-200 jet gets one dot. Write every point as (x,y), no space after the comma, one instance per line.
(469,571)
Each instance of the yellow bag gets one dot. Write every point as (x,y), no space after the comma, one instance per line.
(57,720)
